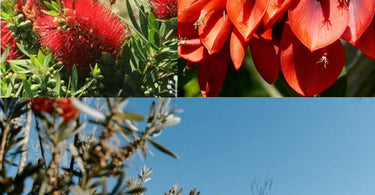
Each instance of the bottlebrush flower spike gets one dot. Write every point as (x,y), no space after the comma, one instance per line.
(62,106)
(79,35)
(42,104)
(164,9)
(8,40)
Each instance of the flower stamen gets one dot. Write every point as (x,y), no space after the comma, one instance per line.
(323,60)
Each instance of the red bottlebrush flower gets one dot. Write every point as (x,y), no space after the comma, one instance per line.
(79,35)
(8,40)
(66,109)
(164,9)
(62,106)
(42,104)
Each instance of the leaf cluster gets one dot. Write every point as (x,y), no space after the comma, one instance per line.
(72,161)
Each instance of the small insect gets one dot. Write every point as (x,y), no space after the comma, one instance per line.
(200,19)
(323,60)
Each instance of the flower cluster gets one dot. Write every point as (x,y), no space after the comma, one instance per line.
(62,106)
(164,9)
(79,34)
(300,37)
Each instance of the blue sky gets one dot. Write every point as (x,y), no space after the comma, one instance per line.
(306,146)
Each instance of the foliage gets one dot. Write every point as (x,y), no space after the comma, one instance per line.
(72,161)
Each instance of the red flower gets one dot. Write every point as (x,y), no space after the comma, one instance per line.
(212,32)
(42,104)
(164,9)
(8,40)
(304,43)
(79,35)
(66,109)
(62,106)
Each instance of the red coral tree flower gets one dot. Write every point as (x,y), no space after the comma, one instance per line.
(79,35)
(62,106)
(8,40)
(164,9)
(211,32)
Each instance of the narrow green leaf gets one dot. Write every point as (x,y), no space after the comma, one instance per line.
(162,148)
(132,16)
(21,47)
(27,87)
(5,55)
(74,83)
(129,116)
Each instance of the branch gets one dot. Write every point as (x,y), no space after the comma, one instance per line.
(25,142)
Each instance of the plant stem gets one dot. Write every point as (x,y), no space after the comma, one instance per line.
(3,142)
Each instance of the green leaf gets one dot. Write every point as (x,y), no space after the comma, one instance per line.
(47,60)
(129,116)
(136,190)
(144,22)
(5,55)
(21,47)
(162,148)
(132,16)
(35,62)
(58,84)
(27,87)
(74,77)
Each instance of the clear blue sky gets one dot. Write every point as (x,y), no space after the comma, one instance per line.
(307,146)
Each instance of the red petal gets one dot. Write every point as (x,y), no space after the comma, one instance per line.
(246,15)
(265,56)
(215,31)
(190,47)
(193,50)
(189,10)
(238,47)
(211,73)
(303,70)
(361,14)
(318,23)
(275,10)
(366,43)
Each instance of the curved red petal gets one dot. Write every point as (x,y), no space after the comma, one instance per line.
(361,14)
(192,50)
(211,73)
(310,73)
(318,23)
(246,15)
(238,47)
(275,10)
(215,31)
(265,56)
(189,44)
(189,10)
(366,43)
